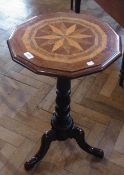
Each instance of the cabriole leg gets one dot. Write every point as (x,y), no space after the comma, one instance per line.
(46,140)
(79,136)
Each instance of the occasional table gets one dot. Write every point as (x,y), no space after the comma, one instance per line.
(66,46)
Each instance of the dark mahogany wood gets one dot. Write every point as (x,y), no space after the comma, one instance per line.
(116,10)
(62,126)
(46,140)
(64,44)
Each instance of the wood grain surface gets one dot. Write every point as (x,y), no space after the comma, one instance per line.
(27,101)
(64,44)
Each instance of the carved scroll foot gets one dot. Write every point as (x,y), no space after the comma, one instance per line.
(46,140)
(78,135)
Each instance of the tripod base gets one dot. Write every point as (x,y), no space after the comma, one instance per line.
(62,126)
(52,135)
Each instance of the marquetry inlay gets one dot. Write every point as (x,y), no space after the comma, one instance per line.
(64,44)
(65,39)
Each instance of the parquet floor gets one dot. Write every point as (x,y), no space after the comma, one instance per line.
(27,102)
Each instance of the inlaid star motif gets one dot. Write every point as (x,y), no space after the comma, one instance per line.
(64,37)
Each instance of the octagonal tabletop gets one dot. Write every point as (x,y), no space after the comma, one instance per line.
(64,44)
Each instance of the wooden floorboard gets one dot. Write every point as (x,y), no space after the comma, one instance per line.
(27,101)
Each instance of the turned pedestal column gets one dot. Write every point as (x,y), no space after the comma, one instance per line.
(65,46)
